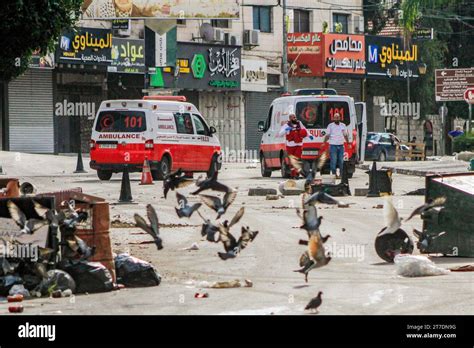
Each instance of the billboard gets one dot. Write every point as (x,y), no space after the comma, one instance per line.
(344,54)
(170,9)
(128,56)
(203,67)
(305,54)
(387,58)
(86,46)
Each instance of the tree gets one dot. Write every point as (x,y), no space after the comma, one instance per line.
(28,25)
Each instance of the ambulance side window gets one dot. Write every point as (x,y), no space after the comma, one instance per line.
(268,122)
(184,124)
(201,127)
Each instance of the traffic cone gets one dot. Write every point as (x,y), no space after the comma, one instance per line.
(147,178)
(125,190)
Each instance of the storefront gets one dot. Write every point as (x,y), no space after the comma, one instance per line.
(210,75)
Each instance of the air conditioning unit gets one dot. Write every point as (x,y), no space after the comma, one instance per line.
(219,35)
(252,37)
(231,40)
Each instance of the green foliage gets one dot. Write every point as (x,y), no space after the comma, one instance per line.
(374,12)
(27,25)
(464,142)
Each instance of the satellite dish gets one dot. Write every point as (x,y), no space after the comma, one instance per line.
(207,32)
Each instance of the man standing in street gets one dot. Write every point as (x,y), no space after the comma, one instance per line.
(295,132)
(336,134)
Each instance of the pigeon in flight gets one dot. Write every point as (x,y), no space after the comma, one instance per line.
(321,197)
(315,256)
(232,246)
(185,210)
(310,219)
(77,245)
(314,304)
(55,219)
(27,226)
(424,240)
(153,229)
(210,184)
(391,218)
(209,230)
(174,181)
(217,205)
(432,203)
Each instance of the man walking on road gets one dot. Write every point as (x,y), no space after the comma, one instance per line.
(337,135)
(295,133)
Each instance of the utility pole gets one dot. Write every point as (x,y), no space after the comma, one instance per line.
(284,59)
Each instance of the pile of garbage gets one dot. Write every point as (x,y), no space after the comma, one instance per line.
(66,267)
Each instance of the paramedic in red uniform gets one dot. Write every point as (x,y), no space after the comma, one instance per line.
(295,132)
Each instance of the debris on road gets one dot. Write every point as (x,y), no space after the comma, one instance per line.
(361,192)
(201,295)
(272,197)
(16,309)
(15,298)
(259,191)
(226,285)
(90,277)
(19,290)
(248,283)
(133,272)
(56,280)
(194,246)
(417,192)
(465,268)
(417,266)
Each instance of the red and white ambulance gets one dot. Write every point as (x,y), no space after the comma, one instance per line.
(166,130)
(315,112)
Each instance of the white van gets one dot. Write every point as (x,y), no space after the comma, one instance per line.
(168,131)
(315,112)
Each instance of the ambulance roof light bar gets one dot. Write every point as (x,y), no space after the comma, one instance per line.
(178,98)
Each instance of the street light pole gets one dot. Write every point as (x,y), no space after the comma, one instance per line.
(284,63)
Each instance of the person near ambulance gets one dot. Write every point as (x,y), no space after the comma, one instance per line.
(337,135)
(295,132)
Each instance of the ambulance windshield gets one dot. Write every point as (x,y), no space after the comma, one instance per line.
(319,114)
(121,122)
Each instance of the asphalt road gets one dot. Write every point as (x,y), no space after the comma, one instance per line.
(356,281)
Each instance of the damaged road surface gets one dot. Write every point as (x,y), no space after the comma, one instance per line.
(356,281)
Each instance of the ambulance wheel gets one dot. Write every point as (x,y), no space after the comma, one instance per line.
(214,166)
(163,170)
(285,169)
(104,175)
(266,173)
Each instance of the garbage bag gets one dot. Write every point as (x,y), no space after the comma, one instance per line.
(90,277)
(31,281)
(7,282)
(19,289)
(417,266)
(133,272)
(57,280)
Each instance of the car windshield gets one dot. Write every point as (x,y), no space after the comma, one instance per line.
(319,114)
(121,122)
(372,136)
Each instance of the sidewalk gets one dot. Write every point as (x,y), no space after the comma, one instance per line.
(442,165)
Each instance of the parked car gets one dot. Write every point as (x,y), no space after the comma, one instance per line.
(382,146)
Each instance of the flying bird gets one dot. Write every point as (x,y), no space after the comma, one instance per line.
(210,184)
(232,246)
(315,256)
(314,304)
(310,219)
(27,226)
(79,246)
(55,219)
(424,240)
(432,203)
(315,166)
(185,210)
(209,230)
(220,207)
(153,229)
(321,197)
(391,218)
(174,181)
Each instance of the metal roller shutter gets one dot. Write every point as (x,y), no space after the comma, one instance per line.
(350,87)
(31,112)
(257,105)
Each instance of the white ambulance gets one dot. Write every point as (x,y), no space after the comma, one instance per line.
(315,112)
(168,131)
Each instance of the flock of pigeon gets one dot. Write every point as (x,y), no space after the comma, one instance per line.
(314,257)
(213,232)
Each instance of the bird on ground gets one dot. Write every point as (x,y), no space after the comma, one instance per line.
(175,180)
(314,304)
(432,203)
(185,210)
(153,229)
(27,226)
(232,246)
(210,184)
(215,203)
